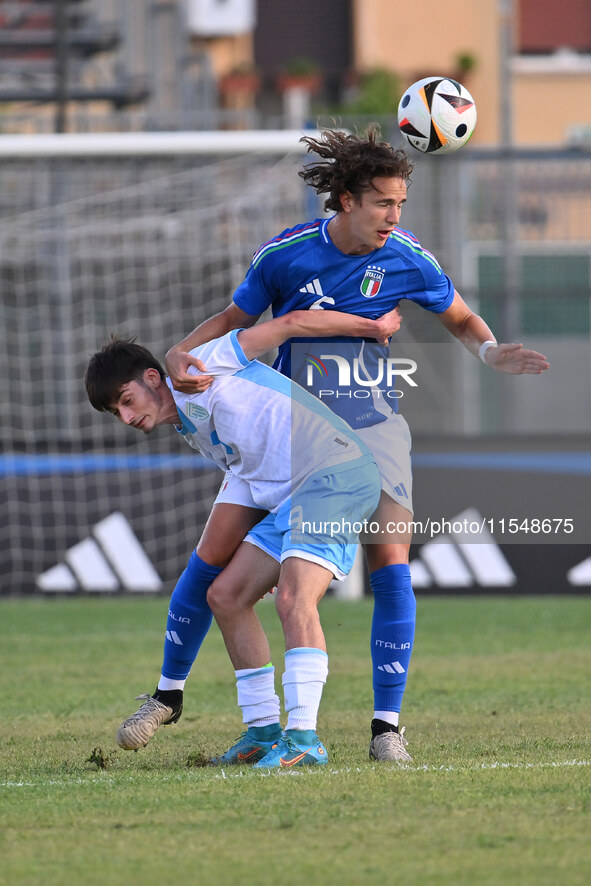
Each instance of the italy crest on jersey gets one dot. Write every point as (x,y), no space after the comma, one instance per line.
(370,285)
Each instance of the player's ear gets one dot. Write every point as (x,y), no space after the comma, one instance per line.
(152,378)
(346,201)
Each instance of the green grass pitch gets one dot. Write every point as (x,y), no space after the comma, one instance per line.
(497,714)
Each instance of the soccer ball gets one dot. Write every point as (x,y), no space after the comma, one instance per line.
(437,115)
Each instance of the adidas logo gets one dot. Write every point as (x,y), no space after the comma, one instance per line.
(111,559)
(174,638)
(453,561)
(393,668)
(314,287)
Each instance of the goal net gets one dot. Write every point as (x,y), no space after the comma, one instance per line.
(141,237)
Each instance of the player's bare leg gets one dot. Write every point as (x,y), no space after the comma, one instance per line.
(232,597)
(225,530)
(189,619)
(302,584)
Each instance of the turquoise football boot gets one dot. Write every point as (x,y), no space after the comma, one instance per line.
(297,747)
(252,746)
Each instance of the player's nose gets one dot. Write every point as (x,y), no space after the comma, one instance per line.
(127,415)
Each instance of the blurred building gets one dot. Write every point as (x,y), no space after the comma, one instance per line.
(545,47)
(92,65)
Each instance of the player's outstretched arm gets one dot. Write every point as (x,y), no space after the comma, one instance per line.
(178,360)
(312,324)
(473,332)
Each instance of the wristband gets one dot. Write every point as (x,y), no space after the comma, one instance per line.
(484,348)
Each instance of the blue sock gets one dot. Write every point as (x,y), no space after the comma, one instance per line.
(392,634)
(189,618)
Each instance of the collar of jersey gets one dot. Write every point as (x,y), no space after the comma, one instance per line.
(186,426)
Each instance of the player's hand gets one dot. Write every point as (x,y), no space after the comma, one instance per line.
(178,364)
(388,324)
(516,360)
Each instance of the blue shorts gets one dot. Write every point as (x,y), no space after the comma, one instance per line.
(322,520)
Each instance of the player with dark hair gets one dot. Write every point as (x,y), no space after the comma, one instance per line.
(327,479)
(359,261)
(350,164)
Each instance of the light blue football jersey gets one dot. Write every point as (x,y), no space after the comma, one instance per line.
(302,269)
(262,427)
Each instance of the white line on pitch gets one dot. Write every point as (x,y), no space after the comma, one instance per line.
(224,774)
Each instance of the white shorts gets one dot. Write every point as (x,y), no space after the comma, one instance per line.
(390,444)
(235,491)
(321,521)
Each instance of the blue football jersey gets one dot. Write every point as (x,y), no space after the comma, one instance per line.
(302,269)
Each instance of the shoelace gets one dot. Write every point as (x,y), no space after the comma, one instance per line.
(147,698)
(290,743)
(398,737)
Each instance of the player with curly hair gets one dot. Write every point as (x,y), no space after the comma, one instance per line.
(357,260)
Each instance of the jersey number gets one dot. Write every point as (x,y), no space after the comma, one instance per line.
(317,305)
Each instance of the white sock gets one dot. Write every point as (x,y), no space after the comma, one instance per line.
(387,716)
(257,697)
(306,670)
(166,684)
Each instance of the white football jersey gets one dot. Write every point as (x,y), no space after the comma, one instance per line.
(260,425)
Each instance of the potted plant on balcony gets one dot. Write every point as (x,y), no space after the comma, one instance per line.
(300,73)
(244,79)
(465,64)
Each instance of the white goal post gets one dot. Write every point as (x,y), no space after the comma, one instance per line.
(151,144)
